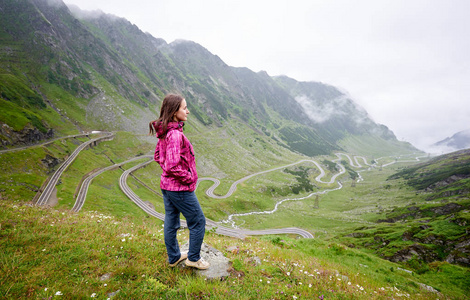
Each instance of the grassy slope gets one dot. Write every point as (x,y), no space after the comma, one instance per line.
(340,212)
(49,251)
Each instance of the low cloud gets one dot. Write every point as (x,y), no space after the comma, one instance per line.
(317,112)
(320,111)
(78,13)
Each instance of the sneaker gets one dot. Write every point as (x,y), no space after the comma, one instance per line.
(201,264)
(183,256)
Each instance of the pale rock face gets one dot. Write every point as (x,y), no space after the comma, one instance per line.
(219,264)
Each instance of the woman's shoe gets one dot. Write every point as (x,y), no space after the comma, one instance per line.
(201,264)
(183,256)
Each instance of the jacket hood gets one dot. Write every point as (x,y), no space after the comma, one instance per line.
(171,126)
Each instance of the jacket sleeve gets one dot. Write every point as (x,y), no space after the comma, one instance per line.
(175,165)
(156,155)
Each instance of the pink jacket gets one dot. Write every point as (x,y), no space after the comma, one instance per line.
(175,154)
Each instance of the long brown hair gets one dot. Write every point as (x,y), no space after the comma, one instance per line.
(171,104)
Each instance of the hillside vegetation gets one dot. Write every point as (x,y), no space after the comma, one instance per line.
(349,235)
(51,253)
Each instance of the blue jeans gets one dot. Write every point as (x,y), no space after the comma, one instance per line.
(187,204)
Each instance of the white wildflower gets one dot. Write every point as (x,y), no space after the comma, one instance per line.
(59,293)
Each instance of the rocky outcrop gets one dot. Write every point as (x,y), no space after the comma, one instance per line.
(432,247)
(417,251)
(50,162)
(461,253)
(28,136)
(219,264)
(446,182)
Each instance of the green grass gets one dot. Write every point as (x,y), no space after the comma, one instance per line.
(17,117)
(353,209)
(46,252)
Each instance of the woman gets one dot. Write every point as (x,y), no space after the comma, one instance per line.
(175,155)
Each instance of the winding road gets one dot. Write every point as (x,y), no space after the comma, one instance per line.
(46,194)
(233,187)
(80,201)
(210,224)
(233,230)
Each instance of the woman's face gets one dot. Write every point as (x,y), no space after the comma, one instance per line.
(182,113)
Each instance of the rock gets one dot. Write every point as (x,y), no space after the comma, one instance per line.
(460,254)
(50,162)
(150,204)
(233,249)
(342,277)
(105,277)
(405,270)
(219,264)
(427,288)
(111,295)
(254,261)
(417,251)
(447,209)
(29,135)
(357,234)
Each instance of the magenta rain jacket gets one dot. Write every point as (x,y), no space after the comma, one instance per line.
(175,154)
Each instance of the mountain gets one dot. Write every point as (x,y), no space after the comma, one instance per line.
(64,70)
(459,141)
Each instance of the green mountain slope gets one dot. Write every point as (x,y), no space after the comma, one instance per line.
(96,71)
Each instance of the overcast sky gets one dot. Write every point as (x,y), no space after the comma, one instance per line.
(407,62)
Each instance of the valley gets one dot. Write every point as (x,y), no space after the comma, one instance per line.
(347,215)
(307,191)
